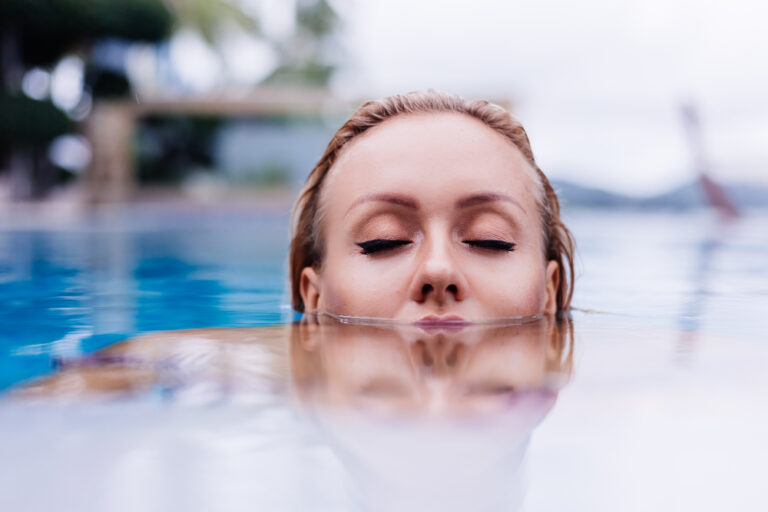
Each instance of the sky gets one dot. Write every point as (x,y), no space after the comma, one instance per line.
(597,83)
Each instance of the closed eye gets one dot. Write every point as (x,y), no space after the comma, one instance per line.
(381,245)
(494,245)
(490,389)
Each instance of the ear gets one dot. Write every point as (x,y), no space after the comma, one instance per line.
(309,287)
(552,284)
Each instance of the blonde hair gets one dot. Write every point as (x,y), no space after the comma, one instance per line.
(306,238)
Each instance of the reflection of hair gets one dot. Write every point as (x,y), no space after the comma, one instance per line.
(563,339)
(306,239)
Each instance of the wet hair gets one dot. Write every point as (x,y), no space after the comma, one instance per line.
(306,234)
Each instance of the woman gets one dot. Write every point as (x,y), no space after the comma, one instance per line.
(425,209)
(430,209)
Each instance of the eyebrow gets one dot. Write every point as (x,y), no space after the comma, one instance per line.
(486,197)
(409,202)
(386,197)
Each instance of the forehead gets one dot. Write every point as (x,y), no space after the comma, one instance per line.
(431,154)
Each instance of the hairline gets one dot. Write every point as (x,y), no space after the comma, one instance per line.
(317,234)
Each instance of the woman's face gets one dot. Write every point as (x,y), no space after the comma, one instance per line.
(431,218)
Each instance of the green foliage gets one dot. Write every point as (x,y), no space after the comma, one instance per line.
(316,17)
(310,73)
(271,174)
(106,83)
(304,58)
(25,122)
(47,29)
(208,17)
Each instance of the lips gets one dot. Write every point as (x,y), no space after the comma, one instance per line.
(442,321)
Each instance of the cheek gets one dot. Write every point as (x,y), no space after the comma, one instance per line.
(352,287)
(521,290)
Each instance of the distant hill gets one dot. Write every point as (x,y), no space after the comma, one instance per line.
(685,197)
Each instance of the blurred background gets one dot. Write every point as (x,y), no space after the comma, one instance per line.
(640,105)
(150,151)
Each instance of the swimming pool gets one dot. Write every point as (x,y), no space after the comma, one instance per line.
(91,281)
(664,409)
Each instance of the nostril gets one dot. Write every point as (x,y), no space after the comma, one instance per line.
(423,353)
(453,356)
(452,289)
(426,289)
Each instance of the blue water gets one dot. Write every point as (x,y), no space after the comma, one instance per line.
(83,285)
(94,279)
(664,408)
(72,286)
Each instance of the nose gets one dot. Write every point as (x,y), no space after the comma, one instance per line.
(438,278)
(437,356)
(437,359)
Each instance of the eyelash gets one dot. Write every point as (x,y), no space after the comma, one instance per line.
(381,244)
(384,244)
(494,245)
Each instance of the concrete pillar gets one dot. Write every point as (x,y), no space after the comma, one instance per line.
(110,130)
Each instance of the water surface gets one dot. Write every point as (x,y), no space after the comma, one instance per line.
(656,403)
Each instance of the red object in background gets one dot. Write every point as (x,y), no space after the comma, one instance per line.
(717,197)
(715,194)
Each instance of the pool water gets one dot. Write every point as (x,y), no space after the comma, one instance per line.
(656,403)
(95,280)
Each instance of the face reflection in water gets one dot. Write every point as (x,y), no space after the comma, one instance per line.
(427,371)
(467,401)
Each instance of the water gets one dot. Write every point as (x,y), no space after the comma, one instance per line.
(90,282)
(657,403)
